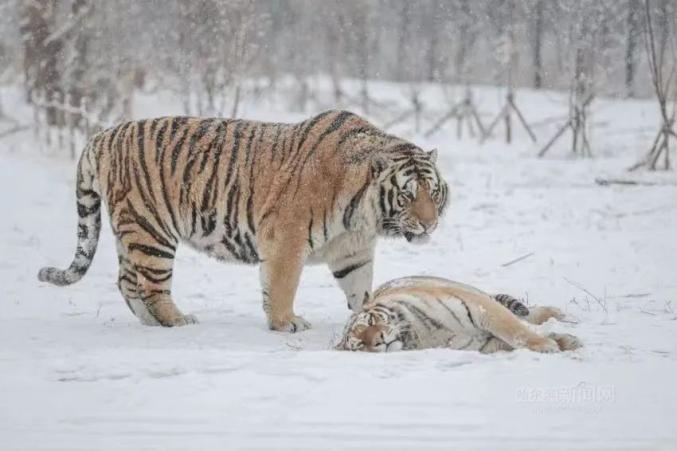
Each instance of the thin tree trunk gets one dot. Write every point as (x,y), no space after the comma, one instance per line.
(631,46)
(537,45)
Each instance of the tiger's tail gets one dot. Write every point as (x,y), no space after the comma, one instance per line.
(514,305)
(89,222)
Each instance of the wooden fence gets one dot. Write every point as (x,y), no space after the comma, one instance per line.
(60,124)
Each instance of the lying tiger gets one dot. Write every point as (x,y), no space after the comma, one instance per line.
(431,312)
(277,195)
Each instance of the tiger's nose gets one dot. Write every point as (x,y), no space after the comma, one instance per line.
(429,225)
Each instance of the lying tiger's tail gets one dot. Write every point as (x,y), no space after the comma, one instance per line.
(89,222)
(512,304)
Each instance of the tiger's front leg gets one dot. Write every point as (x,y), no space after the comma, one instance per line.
(354,274)
(280,273)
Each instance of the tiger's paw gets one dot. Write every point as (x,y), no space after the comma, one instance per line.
(539,315)
(566,342)
(179,321)
(543,344)
(292,324)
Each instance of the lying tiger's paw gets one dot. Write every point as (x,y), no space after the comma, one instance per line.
(566,342)
(292,325)
(539,315)
(543,344)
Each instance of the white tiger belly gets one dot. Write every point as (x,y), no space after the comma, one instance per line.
(438,322)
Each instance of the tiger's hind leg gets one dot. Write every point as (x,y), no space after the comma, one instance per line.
(280,273)
(150,259)
(505,326)
(509,332)
(127,283)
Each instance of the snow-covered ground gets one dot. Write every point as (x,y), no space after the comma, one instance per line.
(77,370)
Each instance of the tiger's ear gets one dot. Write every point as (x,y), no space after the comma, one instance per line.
(433,155)
(378,164)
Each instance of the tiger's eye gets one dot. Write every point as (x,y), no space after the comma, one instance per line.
(405,197)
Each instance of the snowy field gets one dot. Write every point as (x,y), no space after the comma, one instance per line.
(78,371)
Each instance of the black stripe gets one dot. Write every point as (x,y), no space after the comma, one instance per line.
(341,273)
(86,192)
(352,205)
(253,254)
(195,138)
(352,132)
(83,231)
(79,269)
(125,278)
(209,194)
(84,211)
(208,151)
(421,315)
(155,270)
(229,246)
(159,141)
(250,184)
(208,223)
(165,184)
(310,124)
(512,304)
(465,346)
(232,203)
(446,307)
(338,121)
(89,255)
(273,148)
(485,344)
(381,199)
(140,141)
(154,279)
(405,147)
(148,227)
(250,140)
(467,310)
(237,136)
(148,295)
(149,203)
(324,225)
(310,230)
(150,250)
(177,149)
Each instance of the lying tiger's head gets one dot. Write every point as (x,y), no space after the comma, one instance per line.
(376,329)
(412,194)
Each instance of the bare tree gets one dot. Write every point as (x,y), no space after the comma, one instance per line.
(537,43)
(433,22)
(244,24)
(587,31)
(42,47)
(662,57)
(633,25)
(509,58)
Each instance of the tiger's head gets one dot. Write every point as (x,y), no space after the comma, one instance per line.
(411,196)
(375,329)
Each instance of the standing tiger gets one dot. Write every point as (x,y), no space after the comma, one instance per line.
(277,195)
(430,312)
